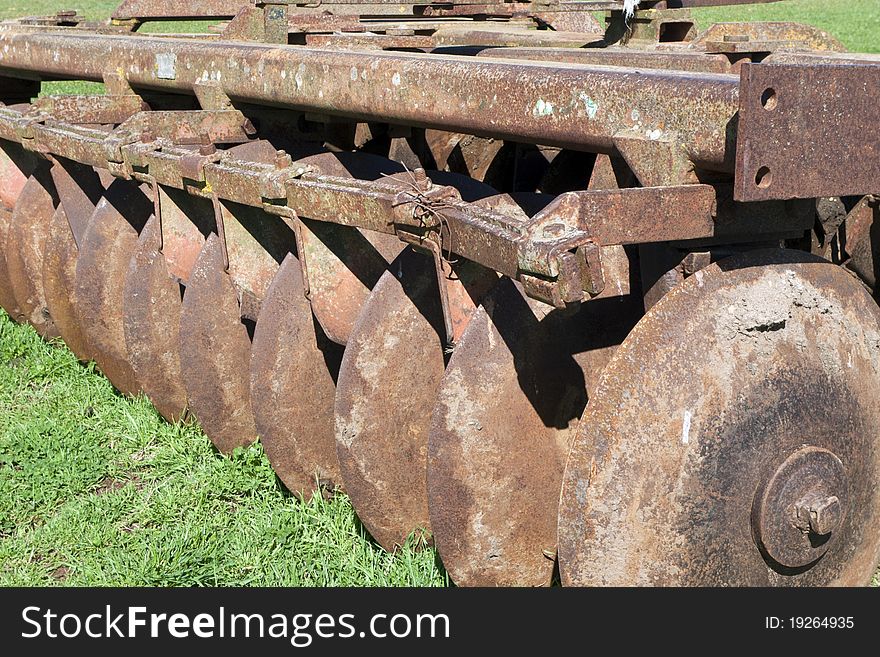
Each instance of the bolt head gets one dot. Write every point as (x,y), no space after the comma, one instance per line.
(798,513)
(282,160)
(824,515)
(421,180)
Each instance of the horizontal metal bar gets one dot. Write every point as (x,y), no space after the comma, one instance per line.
(563,105)
(176,10)
(696,62)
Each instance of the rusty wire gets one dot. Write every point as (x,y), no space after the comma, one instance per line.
(425,207)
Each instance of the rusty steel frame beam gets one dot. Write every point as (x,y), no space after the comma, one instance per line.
(691,61)
(175,10)
(566,105)
(554,254)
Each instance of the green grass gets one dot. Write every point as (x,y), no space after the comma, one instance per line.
(96,489)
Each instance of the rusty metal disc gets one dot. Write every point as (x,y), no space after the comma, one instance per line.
(293,385)
(153,294)
(732,438)
(343,263)
(296,352)
(16,166)
(387,385)
(31,224)
(7,294)
(214,352)
(104,254)
(151,323)
(13,159)
(388,381)
(221,304)
(506,410)
(59,284)
(79,190)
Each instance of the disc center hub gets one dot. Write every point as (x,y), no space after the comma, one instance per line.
(801,508)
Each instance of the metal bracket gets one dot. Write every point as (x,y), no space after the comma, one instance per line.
(191,127)
(211,96)
(94,110)
(262,21)
(656,158)
(220,222)
(807,131)
(617,216)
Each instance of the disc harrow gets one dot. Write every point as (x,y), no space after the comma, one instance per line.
(573,302)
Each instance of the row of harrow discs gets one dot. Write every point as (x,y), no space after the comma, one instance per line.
(555,307)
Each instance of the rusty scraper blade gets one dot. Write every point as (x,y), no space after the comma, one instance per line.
(293,370)
(213,345)
(105,251)
(733,437)
(151,322)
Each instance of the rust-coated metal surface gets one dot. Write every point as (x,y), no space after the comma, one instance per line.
(293,386)
(79,190)
(861,240)
(506,409)
(799,511)
(388,383)
(414,300)
(697,62)
(25,243)
(532,102)
(214,348)
(151,324)
(105,251)
(802,126)
(691,440)
(7,294)
(153,296)
(16,165)
(59,284)
(344,264)
(220,306)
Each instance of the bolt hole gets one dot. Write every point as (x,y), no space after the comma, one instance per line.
(768,99)
(763,178)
